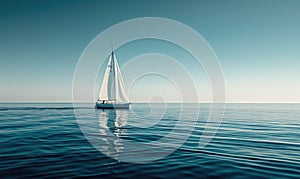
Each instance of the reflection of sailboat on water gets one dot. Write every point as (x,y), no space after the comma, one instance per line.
(112,94)
(111,125)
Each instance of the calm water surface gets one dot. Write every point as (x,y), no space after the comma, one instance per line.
(44,140)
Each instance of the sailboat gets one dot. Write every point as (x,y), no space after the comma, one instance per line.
(112,93)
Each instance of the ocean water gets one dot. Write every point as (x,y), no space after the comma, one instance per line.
(40,140)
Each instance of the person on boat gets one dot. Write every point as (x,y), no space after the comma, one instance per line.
(103,102)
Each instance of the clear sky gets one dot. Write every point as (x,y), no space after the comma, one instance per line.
(257,43)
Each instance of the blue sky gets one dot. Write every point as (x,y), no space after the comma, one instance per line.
(257,43)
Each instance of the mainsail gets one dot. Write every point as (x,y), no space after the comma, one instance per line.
(112,88)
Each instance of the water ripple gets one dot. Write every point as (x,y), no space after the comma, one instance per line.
(45,141)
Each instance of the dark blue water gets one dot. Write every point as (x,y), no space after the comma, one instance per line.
(44,140)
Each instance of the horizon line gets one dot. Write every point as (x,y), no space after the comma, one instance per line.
(229,102)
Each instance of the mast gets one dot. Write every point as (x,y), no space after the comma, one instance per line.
(114,80)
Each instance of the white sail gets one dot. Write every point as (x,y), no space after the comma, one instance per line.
(120,91)
(112,88)
(104,87)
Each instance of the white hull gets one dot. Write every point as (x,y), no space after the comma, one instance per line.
(112,105)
